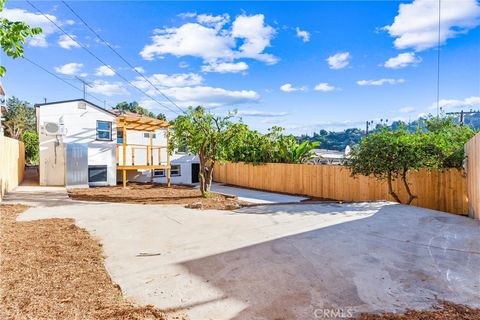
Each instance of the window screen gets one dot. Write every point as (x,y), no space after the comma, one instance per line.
(97,173)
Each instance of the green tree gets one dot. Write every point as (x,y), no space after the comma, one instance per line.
(445,140)
(19,118)
(303,152)
(30,139)
(251,146)
(388,155)
(204,134)
(13,35)
(136,108)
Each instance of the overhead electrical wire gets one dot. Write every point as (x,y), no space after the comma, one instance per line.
(61,79)
(99,59)
(121,57)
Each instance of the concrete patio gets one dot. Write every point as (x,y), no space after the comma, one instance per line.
(283,261)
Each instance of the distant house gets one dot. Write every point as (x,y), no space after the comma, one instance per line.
(82,144)
(325,156)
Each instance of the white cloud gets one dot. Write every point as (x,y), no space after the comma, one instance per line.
(406,109)
(380,82)
(247,37)
(183,64)
(210,96)
(339,60)
(108,88)
(287,87)
(261,114)
(468,103)
(69,68)
(256,36)
(302,34)
(190,39)
(33,20)
(213,21)
(186,15)
(325,87)
(225,67)
(67,42)
(162,81)
(104,71)
(139,69)
(402,60)
(416,25)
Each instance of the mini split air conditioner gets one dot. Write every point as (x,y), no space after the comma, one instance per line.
(51,129)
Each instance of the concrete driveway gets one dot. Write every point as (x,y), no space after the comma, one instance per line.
(283,261)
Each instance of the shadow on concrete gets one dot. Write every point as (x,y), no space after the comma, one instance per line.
(401,257)
(301,208)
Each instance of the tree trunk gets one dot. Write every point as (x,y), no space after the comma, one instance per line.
(390,188)
(206,174)
(411,197)
(209,176)
(201,175)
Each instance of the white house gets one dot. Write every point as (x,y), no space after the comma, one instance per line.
(80,145)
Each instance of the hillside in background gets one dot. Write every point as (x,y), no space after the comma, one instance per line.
(339,140)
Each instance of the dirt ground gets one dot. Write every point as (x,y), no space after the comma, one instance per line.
(156,194)
(444,311)
(51,269)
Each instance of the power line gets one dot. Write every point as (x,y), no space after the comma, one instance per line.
(63,80)
(120,56)
(97,58)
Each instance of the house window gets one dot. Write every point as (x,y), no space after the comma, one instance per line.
(175,170)
(159,173)
(97,173)
(104,130)
(120,136)
(146,135)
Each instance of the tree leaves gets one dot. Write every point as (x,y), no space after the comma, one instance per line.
(13,35)
(389,154)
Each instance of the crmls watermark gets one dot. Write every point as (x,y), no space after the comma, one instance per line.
(325,313)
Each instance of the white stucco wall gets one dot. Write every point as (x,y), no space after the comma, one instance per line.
(79,127)
(184,160)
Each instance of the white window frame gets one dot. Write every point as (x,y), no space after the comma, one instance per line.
(179,170)
(104,130)
(161,172)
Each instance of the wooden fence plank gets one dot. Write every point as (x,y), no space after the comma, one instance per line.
(440,190)
(12,164)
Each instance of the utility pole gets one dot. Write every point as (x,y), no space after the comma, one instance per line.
(85,83)
(368,123)
(462,115)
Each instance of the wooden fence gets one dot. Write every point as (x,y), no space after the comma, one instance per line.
(472,150)
(439,190)
(12,164)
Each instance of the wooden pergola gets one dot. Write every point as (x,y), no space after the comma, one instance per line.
(135,122)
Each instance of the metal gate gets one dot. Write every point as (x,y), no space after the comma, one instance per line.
(77,164)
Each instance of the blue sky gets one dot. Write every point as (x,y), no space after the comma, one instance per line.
(300,65)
